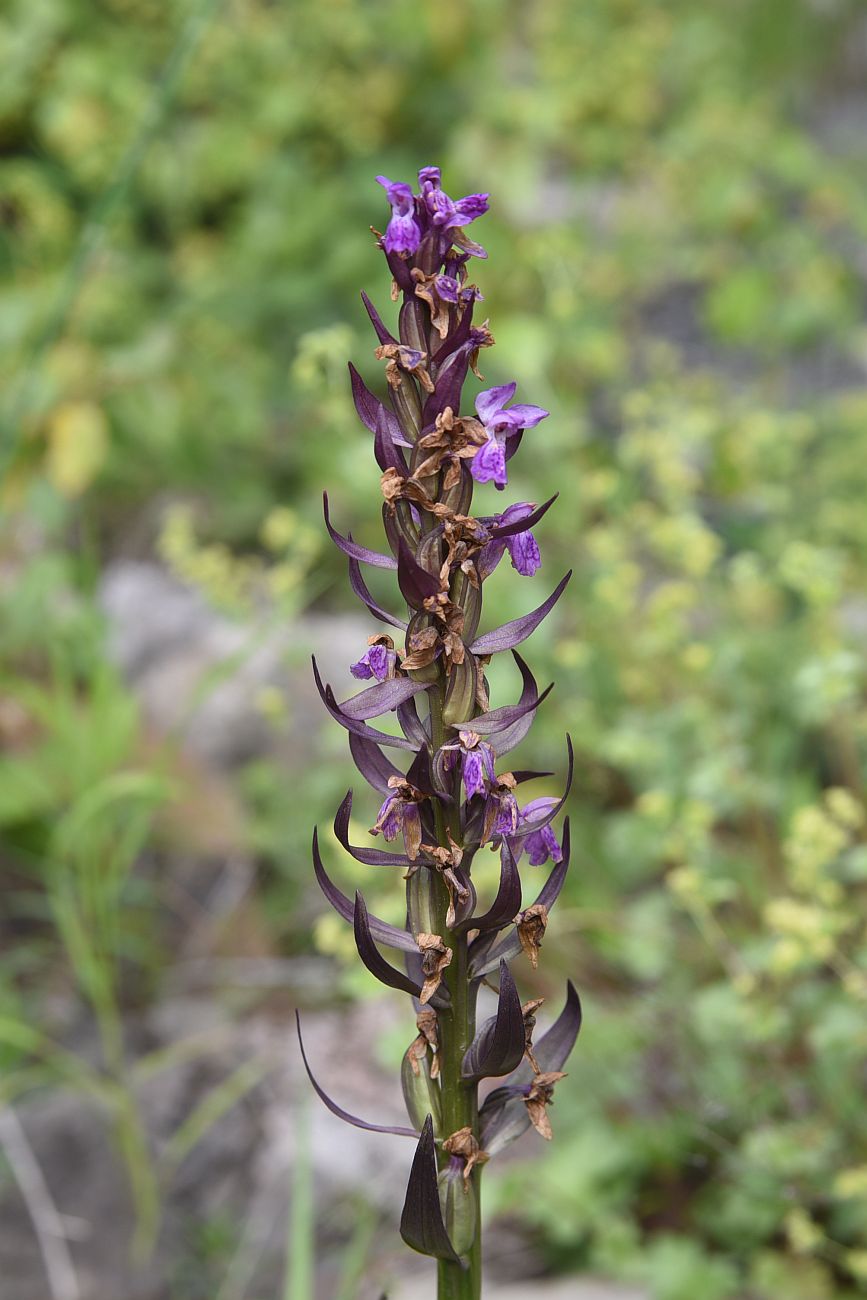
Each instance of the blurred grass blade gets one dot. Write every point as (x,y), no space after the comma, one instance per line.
(357,1250)
(210,1110)
(300,1237)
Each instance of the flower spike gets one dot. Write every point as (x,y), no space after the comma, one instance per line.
(445,793)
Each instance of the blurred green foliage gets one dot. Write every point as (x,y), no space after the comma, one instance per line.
(677,249)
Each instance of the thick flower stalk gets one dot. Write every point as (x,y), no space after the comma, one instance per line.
(446,792)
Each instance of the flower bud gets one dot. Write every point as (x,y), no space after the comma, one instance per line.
(407,406)
(459,497)
(469,596)
(413,325)
(422,629)
(419,903)
(429,552)
(460,698)
(458,1205)
(400,524)
(421,1093)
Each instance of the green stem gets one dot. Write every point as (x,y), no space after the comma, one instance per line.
(457,1027)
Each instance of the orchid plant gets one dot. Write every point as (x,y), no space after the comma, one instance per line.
(449,800)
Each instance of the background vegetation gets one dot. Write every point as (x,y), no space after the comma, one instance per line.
(678,256)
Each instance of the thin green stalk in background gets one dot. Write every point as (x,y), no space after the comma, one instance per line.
(300,1235)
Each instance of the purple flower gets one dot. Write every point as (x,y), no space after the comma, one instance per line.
(506,816)
(399,812)
(389,819)
(489,462)
(490,408)
(522,547)
(377,661)
(402,234)
(539,841)
(501,809)
(449,288)
(445,213)
(478,762)
(542,845)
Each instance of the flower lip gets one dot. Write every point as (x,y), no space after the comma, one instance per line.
(403,233)
(489,463)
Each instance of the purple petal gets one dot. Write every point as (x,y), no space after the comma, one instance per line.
(453,343)
(389,819)
(381,661)
(473,776)
(384,335)
(377,661)
(359,586)
(507,903)
(372,763)
(396,1129)
(554,1047)
(507,816)
(493,400)
(497,720)
(429,178)
(440,207)
(489,557)
(399,194)
(470,207)
(361,668)
(402,235)
(503,1116)
(382,698)
(415,583)
(385,449)
(542,845)
(468,245)
(349,547)
(352,724)
(447,287)
(526,417)
(385,933)
(489,464)
(370,857)
(419,773)
(518,517)
(498,1048)
(539,813)
(373,958)
(370,408)
(412,727)
(487,951)
(516,631)
(525,554)
(421,1223)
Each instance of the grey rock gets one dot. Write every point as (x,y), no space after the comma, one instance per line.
(199,675)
